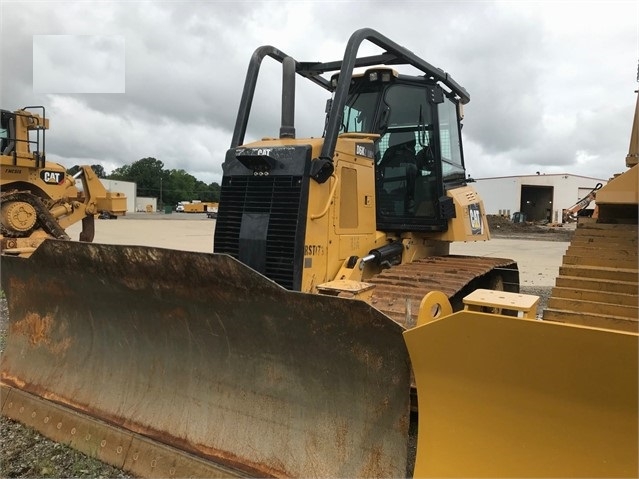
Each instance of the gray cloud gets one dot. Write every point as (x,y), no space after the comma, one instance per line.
(551,84)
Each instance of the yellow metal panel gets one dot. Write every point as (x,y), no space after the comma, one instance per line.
(627,252)
(356,195)
(596,296)
(603,307)
(348,199)
(354,245)
(596,260)
(469,223)
(316,237)
(482,298)
(623,189)
(434,305)
(620,287)
(601,272)
(507,397)
(606,321)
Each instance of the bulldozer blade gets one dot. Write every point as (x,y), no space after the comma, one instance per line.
(506,397)
(198,352)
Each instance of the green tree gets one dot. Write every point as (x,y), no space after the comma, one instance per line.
(99,171)
(181,187)
(214,188)
(145,173)
(169,186)
(121,173)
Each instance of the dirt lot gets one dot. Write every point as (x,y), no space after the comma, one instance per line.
(502,227)
(25,453)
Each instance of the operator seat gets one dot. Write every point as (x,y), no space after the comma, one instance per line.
(401,149)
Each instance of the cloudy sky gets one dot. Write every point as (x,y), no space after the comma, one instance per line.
(551,83)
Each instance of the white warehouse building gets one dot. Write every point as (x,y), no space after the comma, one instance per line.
(538,197)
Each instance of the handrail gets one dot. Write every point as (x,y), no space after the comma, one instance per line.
(330,199)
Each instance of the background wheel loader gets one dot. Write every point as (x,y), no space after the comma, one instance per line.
(39,199)
(283,354)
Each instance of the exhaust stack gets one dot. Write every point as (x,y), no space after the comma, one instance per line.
(287,129)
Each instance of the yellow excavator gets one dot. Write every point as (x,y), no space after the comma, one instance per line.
(580,207)
(39,199)
(284,353)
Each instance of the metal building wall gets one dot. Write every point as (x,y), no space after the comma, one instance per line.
(502,195)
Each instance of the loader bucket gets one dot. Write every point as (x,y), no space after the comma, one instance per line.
(506,397)
(200,353)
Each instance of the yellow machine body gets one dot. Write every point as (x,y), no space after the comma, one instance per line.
(39,198)
(510,397)
(620,190)
(341,218)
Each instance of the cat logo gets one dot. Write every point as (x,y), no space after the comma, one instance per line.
(52,177)
(476,225)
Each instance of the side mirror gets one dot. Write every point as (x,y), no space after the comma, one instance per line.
(322,169)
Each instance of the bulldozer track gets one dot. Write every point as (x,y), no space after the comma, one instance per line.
(45,219)
(398,291)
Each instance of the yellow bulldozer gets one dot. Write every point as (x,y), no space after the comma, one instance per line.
(39,198)
(285,353)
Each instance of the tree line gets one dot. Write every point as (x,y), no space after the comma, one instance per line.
(153,180)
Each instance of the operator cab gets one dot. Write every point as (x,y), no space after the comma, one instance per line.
(22,134)
(7,126)
(419,153)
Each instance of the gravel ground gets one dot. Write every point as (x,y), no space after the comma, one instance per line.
(25,453)
(501,227)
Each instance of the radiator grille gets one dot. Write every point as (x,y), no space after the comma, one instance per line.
(280,198)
